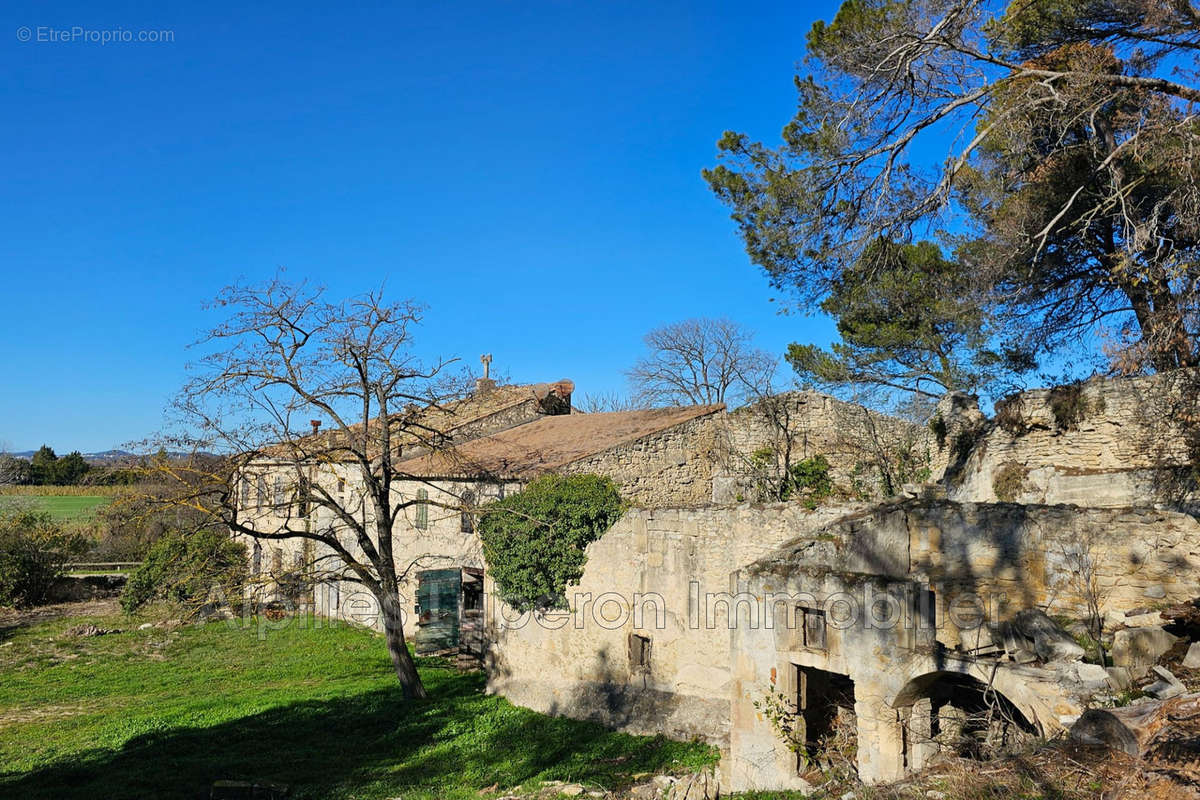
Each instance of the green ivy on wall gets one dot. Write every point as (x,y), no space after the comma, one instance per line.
(534,540)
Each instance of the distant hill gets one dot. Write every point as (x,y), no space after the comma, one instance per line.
(105,458)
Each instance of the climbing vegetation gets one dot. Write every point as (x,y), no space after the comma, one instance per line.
(534,541)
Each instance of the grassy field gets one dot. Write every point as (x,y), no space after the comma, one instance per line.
(164,714)
(65,508)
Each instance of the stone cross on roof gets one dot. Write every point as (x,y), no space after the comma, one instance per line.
(486,359)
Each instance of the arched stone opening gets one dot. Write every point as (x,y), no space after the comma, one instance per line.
(953,712)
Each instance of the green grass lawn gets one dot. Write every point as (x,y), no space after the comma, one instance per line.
(164,714)
(65,508)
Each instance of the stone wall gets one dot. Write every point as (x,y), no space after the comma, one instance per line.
(1015,556)
(765,437)
(890,663)
(1106,442)
(982,563)
(672,567)
(674,467)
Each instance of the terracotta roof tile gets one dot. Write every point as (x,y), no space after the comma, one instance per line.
(549,443)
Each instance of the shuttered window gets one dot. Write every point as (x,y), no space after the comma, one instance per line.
(422,515)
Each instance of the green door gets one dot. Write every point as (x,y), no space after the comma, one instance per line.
(438,595)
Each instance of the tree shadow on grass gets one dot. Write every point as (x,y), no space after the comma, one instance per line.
(372,744)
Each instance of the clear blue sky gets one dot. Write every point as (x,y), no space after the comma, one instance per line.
(531,170)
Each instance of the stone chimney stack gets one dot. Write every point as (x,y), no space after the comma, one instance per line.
(485,384)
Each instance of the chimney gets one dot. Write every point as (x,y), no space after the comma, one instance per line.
(485,384)
(316,425)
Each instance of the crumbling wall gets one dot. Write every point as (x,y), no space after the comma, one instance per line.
(766,437)
(663,574)
(890,664)
(1014,556)
(1106,442)
(981,562)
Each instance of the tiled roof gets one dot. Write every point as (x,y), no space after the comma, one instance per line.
(549,443)
(411,427)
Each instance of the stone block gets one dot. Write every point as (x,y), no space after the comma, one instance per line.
(1167,686)
(1140,647)
(1119,678)
(1147,620)
(1192,659)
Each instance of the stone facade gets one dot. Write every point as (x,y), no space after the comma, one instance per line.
(712,571)
(696,607)
(665,570)
(674,467)
(429,535)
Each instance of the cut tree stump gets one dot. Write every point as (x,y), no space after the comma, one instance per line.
(1133,729)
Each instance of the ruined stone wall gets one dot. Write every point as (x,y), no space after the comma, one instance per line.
(997,558)
(674,467)
(1101,443)
(671,566)
(765,437)
(892,661)
(1016,556)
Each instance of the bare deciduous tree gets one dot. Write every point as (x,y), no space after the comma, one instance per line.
(285,360)
(607,401)
(700,361)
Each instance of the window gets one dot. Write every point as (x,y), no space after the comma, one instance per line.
(639,653)
(927,608)
(280,494)
(467,517)
(422,516)
(246,492)
(260,491)
(256,559)
(341,487)
(814,628)
(276,561)
(472,589)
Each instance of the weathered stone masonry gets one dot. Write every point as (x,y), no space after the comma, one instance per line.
(706,564)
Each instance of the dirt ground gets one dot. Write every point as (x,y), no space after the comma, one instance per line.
(16,617)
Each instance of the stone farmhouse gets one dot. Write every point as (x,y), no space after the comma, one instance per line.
(901,624)
(505,435)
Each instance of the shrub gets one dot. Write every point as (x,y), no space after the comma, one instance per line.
(534,540)
(939,429)
(33,553)
(1010,415)
(964,443)
(810,479)
(1009,482)
(186,567)
(1069,405)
